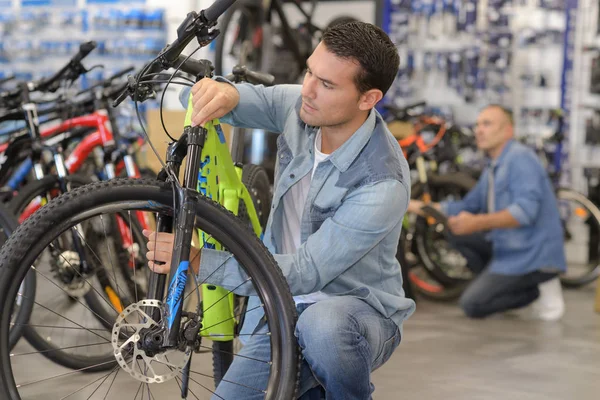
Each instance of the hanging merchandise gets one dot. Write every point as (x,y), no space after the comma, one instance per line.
(127,33)
(471,70)
(592,129)
(595,75)
(468,53)
(454,70)
(38,36)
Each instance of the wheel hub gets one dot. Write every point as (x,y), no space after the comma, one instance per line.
(138,348)
(67,263)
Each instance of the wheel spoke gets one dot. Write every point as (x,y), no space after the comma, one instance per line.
(65,374)
(228,319)
(85,279)
(238,355)
(62,316)
(225,380)
(57,349)
(64,291)
(111,384)
(59,327)
(91,383)
(227,294)
(139,388)
(199,384)
(179,382)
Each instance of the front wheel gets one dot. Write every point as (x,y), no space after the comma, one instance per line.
(442,262)
(119,353)
(580,219)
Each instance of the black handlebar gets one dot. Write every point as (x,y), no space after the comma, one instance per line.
(194,26)
(7,79)
(193,67)
(120,74)
(242,74)
(17,114)
(84,49)
(71,71)
(217,9)
(108,81)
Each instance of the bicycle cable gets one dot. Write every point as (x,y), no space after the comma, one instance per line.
(162,98)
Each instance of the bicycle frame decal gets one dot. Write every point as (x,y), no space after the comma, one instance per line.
(220,133)
(176,290)
(220,180)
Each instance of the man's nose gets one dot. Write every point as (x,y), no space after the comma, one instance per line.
(308,87)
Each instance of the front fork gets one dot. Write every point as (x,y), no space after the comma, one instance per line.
(77,232)
(189,144)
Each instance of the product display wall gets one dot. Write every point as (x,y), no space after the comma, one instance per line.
(532,56)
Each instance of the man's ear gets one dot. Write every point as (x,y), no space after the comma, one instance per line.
(369,99)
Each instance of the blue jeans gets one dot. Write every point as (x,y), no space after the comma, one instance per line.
(490,293)
(342,340)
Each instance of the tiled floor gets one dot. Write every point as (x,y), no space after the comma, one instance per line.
(446,356)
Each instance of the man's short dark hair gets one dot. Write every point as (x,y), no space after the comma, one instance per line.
(507,112)
(371,47)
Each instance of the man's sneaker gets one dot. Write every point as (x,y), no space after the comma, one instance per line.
(550,306)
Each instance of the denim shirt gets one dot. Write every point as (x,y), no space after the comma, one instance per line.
(353,214)
(521,186)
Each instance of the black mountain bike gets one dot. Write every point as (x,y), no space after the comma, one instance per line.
(258,34)
(151,344)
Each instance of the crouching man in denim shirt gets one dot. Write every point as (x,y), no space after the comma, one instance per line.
(513,238)
(341,190)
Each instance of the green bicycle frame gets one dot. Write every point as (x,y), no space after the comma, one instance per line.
(220,180)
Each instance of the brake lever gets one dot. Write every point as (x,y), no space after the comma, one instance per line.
(127,90)
(138,91)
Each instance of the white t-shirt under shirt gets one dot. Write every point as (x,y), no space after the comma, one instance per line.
(293,207)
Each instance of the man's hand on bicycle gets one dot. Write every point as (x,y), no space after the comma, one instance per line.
(212,99)
(414,206)
(160,248)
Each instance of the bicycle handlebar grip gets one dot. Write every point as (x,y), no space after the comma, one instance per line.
(217,8)
(124,94)
(84,49)
(7,79)
(120,74)
(194,67)
(189,65)
(260,78)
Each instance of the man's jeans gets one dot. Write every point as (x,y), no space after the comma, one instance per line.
(342,340)
(490,293)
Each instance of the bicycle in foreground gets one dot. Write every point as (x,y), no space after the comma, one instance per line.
(154,346)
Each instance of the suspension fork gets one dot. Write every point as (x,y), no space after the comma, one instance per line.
(190,143)
(77,232)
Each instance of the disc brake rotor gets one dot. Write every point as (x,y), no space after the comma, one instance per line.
(127,339)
